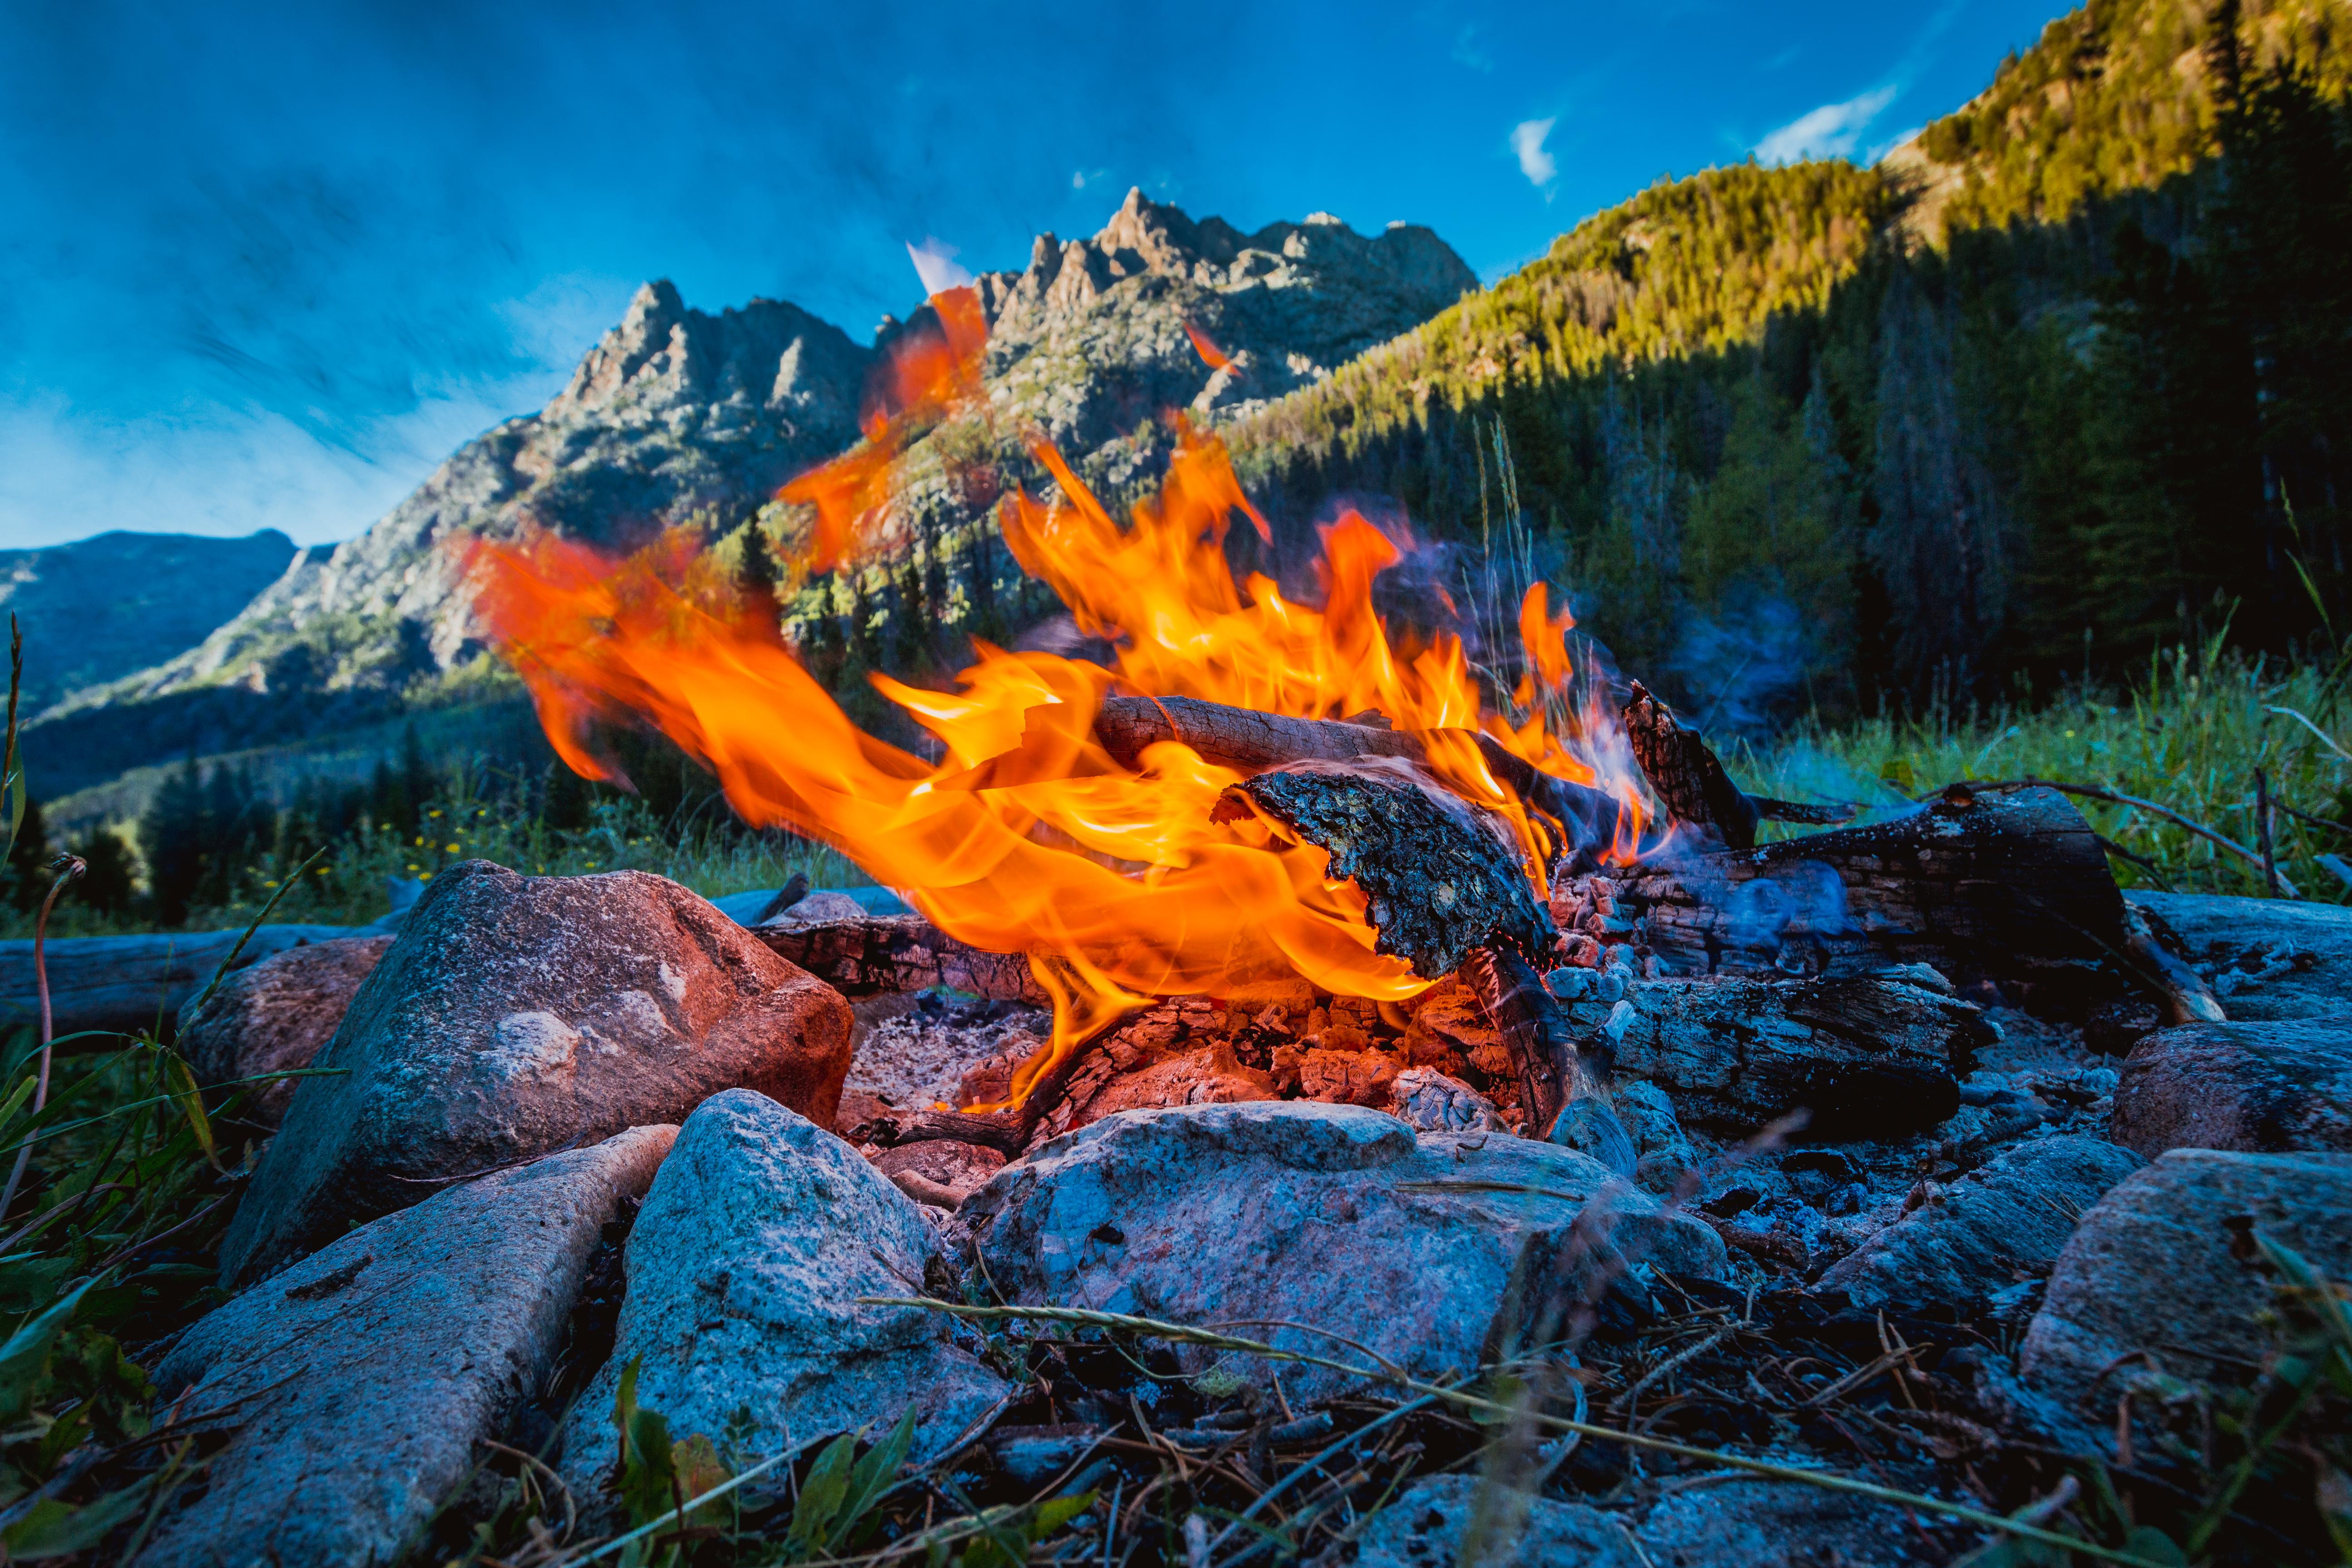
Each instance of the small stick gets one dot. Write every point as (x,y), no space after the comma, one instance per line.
(2116,797)
(2263,832)
(68,868)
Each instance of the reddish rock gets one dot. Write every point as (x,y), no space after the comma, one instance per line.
(962,1168)
(2275,1088)
(275,1017)
(1348,1078)
(517,1015)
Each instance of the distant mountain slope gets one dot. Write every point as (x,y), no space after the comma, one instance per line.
(104,607)
(1687,267)
(674,412)
(2117,97)
(2068,376)
(677,416)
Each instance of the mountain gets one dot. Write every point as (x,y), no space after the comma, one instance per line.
(102,608)
(1094,342)
(677,416)
(675,413)
(2065,379)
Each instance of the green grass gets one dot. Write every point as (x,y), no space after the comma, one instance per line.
(350,884)
(2188,734)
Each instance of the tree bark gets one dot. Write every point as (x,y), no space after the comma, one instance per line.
(2005,884)
(1439,881)
(1686,775)
(1241,738)
(876,953)
(1867,1057)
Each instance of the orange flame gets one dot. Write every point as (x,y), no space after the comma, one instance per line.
(1027,836)
(932,371)
(1211,354)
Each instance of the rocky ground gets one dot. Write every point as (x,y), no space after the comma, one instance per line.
(595,1208)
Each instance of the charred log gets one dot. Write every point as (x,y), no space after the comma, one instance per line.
(1007,1131)
(1439,880)
(877,953)
(1686,775)
(1584,820)
(1562,1080)
(2008,885)
(1873,1058)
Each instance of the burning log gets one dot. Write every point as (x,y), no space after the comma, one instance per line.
(1440,881)
(1242,738)
(2004,884)
(1446,893)
(1563,1083)
(877,954)
(1688,779)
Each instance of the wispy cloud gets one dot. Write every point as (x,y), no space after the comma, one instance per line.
(1832,130)
(1527,142)
(1466,51)
(1835,129)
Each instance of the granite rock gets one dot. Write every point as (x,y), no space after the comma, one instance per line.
(2265,1088)
(354,1386)
(1333,1217)
(744,1274)
(2163,1276)
(516,1015)
(2000,1224)
(275,1017)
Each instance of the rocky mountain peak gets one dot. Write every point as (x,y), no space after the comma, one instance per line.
(664,356)
(678,414)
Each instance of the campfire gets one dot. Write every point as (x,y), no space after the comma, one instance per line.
(1278,848)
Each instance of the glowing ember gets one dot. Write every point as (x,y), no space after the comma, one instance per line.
(1027,836)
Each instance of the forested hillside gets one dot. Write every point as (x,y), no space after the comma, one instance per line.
(2069,378)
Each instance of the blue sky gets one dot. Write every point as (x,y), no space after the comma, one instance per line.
(266,265)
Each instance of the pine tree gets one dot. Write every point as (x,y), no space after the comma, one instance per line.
(27,871)
(759,575)
(106,883)
(170,840)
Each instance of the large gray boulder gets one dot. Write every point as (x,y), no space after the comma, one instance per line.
(276,1017)
(2002,1223)
(355,1387)
(516,1015)
(2268,959)
(1425,1526)
(745,1275)
(1332,1216)
(2163,1273)
(2261,1088)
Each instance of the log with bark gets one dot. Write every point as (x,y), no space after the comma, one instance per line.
(1586,820)
(1440,881)
(2004,884)
(1446,892)
(1862,1058)
(1688,779)
(1684,774)
(876,953)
